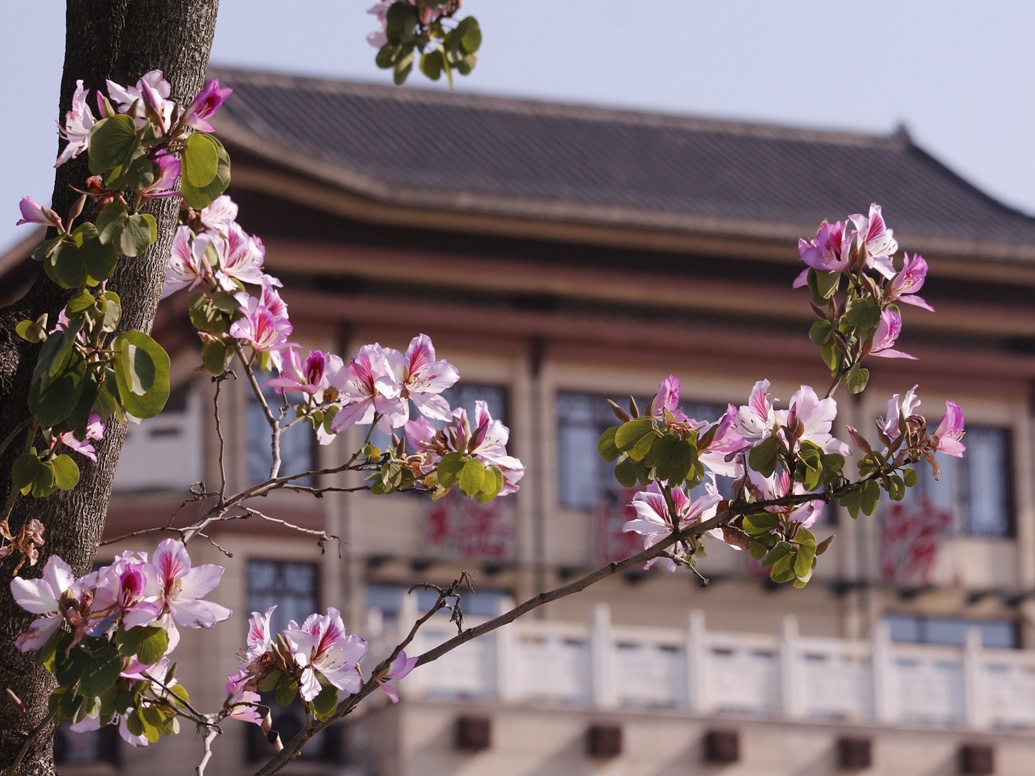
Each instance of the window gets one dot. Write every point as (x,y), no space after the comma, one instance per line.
(951,631)
(291,585)
(974,489)
(584,479)
(297,453)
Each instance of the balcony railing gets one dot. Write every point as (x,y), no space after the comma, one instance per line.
(601,666)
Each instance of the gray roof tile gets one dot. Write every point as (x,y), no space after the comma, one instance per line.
(531,159)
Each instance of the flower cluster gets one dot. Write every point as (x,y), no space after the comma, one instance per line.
(856,291)
(120,622)
(147,103)
(215,258)
(787,461)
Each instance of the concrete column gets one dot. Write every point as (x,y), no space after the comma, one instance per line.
(601,660)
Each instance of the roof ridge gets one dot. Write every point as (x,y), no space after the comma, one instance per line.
(897,139)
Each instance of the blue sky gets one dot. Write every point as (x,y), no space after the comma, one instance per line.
(957,74)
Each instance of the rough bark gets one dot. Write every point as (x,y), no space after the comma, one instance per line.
(105,39)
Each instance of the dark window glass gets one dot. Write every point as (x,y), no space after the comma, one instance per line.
(291,585)
(951,631)
(584,479)
(297,451)
(974,489)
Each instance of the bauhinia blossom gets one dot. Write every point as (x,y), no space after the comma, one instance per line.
(908,281)
(877,239)
(205,105)
(888,330)
(321,647)
(946,438)
(44,596)
(93,432)
(78,122)
(397,669)
(422,378)
(37,214)
(655,521)
(183,586)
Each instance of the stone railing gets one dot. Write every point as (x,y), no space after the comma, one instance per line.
(602,666)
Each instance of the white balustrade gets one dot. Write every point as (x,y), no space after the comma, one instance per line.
(604,666)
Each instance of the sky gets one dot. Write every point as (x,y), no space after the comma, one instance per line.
(957,74)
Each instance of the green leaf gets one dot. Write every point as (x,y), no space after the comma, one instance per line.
(216,356)
(141,230)
(857,378)
(200,159)
(820,331)
(761,523)
(32,331)
(449,469)
(325,704)
(140,172)
(861,314)
(472,477)
(492,485)
(98,260)
(149,644)
(403,67)
(24,471)
(82,301)
(142,373)
(764,456)
(200,196)
(805,560)
(401,22)
(851,501)
(431,64)
(831,355)
(627,472)
(111,144)
(783,570)
(823,285)
(824,545)
(111,221)
(466,65)
(101,668)
(66,473)
(112,311)
(287,689)
(65,266)
(53,400)
(909,477)
(470,33)
(870,497)
(606,446)
(779,551)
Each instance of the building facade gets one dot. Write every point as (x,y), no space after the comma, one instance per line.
(560,256)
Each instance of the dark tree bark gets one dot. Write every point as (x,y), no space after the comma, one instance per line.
(105,39)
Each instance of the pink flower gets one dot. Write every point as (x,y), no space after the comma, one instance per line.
(188,264)
(779,485)
(946,438)
(828,251)
(240,257)
(908,281)
(94,431)
(757,418)
(878,240)
(888,331)
(655,522)
(262,330)
(153,92)
(42,596)
(127,592)
(182,587)
(369,386)
(205,105)
(397,669)
(220,214)
(310,376)
(810,418)
(898,410)
(488,442)
(164,184)
(422,378)
(38,214)
(320,646)
(78,123)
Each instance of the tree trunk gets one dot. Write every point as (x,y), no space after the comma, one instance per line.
(105,39)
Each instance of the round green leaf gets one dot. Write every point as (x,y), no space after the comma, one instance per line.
(111,221)
(200,196)
(24,470)
(142,374)
(200,159)
(472,477)
(140,231)
(111,143)
(66,473)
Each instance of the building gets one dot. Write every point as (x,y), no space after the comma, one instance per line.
(560,256)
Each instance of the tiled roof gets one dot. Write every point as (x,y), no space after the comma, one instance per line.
(420,148)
